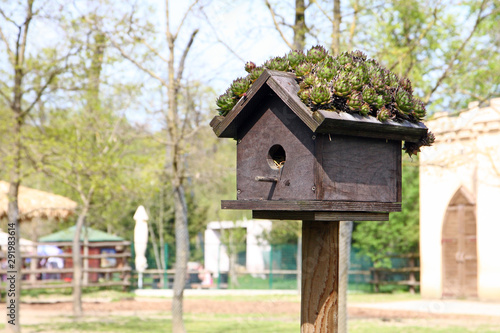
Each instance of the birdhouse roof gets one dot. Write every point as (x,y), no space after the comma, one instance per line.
(284,86)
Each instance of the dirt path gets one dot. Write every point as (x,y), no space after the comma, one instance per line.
(43,312)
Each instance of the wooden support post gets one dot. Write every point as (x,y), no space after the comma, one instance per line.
(320,283)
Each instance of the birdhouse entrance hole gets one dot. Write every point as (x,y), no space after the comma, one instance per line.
(276,157)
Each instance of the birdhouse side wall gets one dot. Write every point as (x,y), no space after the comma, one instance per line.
(358,169)
(275,125)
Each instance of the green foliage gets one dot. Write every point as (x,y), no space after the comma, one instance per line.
(448,50)
(400,235)
(283,232)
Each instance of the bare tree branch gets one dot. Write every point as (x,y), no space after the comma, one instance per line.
(352,28)
(180,69)
(41,91)
(219,39)
(26,24)
(276,25)
(12,56)
(152,49)
(135,62)
(7,99)
(184,18)
(422,35)
(457,53)
(7,18)
(322,10)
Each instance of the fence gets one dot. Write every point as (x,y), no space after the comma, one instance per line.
(257,266)
(265,266)
(104,264)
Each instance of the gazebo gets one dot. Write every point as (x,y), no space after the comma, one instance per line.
(37,204)
(106,250)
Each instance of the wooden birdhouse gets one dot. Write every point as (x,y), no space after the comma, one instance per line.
(293,163)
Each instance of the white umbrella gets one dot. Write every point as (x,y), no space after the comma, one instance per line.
(140,241)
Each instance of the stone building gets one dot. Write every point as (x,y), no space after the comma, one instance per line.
(460,205)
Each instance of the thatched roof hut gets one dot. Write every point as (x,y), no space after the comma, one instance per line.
(36,204)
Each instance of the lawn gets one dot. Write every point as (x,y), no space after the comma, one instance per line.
(244,324)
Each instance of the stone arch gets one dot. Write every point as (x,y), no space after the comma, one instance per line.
(459,247)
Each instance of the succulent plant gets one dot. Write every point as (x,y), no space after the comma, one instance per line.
(341,85)
(418,109)
(308,80)
(358,55)
(320,93)
(225,102)
(365,109)
(344,58)
(356,79)
(380,101)
(277,64)
(405,83)
(240,86)
(326,72)
(355,101)
(391,79)
(295,57)
(254,75)
(383,114)
(403,101)
(316,54)
(250,66)
(347,82)
(378,81)
(304,95)
(303,69)
(369,95)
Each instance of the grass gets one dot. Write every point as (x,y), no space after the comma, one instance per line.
(244,324)
(198,323)
(378,326)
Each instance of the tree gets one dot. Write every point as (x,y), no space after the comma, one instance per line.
(180,124)
(29,71)
(82,143)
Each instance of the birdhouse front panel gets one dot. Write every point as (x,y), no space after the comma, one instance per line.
(275,155)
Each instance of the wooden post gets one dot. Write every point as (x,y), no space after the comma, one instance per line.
(85,281)
(320,267)
(412,279)
(34,261)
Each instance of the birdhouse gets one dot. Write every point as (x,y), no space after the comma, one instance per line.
(293,163)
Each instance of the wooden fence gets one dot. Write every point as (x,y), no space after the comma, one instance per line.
(36,277)
(382,276)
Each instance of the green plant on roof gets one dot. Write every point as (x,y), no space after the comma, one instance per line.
(349,82)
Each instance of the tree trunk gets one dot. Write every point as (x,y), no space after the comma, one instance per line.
(13,286)
(181,258)
(299,28)
(336,27)
(77,263)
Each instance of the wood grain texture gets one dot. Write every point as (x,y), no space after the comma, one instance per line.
(276,126)
(228,127)
(286,88)
(357,168)
(319,216)
(312,205)
(320,267)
